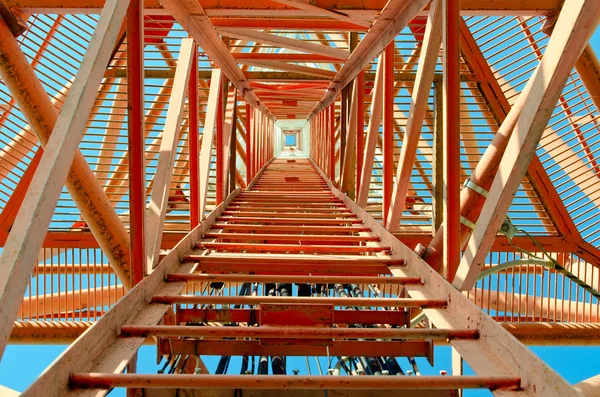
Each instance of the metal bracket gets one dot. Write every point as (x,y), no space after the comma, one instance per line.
(467,223)
(476,188)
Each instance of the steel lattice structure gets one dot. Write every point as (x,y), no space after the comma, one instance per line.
(442,188)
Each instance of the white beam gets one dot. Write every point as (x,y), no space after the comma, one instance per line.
(430,50)
(228,129)
(208,136)
(372,135)
(324,12)
(285,42)
(349,163)
(289,67)
(159,200)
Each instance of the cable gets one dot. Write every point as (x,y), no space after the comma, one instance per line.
(550,263)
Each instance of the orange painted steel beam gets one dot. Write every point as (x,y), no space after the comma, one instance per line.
(48,332)
(364,317)
(281,199)
(194,142)
(360,129)
(293,279)
(294,260)
(288,221)
(290,248)
(255,348)
(257,300)
(219,144)
(284,88)
(247,140)
(299,228)
(136,138)
(510,7)
(108,381)
(296,332)
(346,269)
(388,127)
(309,214)
(451,137)
(286,24)
(322,239)
(290,215)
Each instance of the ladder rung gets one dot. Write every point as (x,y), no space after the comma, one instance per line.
(218,262)
(297,332)
(296,248)
(257,300)
(291,209)
(292,215)
(295,229)
(287,203)
(108,381)
(259,278)
(292,221)
(254,347)
(293,237)
(283,194)
(293,260)
(346,317)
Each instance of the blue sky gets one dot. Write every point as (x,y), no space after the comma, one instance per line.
(21,364)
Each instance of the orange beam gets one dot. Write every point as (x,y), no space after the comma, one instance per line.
(287,24)
(108,381)
(388,127)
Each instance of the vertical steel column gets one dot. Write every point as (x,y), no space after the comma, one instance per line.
(263,129)
(136,149)
(343,127)
(193,140)
(314,138)
(319,153)
(322,129)
(136,141)
(328,142)
(332,141)
(256,141)
(219,147)
(252,143)
(438,157)
(259,129)
(232,151)
(360,128)
(248,144)
(451,104)
(388,127)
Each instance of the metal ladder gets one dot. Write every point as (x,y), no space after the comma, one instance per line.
(299,246)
